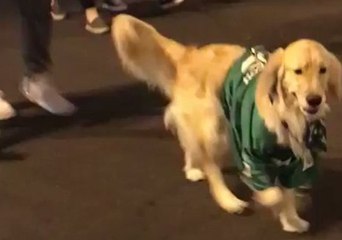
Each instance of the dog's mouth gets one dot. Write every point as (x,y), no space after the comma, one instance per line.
(311,110)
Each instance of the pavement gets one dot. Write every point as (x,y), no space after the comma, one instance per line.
(112,171)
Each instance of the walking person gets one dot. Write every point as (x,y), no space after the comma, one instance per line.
(37,84)
(94,22)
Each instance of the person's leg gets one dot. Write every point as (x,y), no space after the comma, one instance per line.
(36,24)
(95,23)
(57,12)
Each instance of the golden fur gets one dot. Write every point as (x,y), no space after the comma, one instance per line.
(191,78)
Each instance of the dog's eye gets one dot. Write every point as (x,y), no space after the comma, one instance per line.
(298,71)
(322,70)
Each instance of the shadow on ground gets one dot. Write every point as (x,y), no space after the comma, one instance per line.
(322,210)
(326,208)
(95,108)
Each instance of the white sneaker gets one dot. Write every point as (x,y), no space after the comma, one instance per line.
(6,110)
(166,4)
(39,89)
(57,12)
(114,5)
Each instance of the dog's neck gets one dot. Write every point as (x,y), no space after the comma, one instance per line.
(290,120)
(290,124)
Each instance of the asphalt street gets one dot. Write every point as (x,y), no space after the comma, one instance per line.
(111,171)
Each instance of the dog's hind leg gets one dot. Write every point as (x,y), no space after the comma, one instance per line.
(177,125)
(202,147)
(223,196)
(199,165)
(215,143)
(203,137)
(192,170)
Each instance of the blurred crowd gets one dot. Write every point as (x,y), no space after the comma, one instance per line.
(94,23)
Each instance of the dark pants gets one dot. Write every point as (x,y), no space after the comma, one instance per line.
(87,3)
(92,3)
(36,25)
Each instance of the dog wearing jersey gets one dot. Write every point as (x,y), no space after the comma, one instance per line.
(269,107)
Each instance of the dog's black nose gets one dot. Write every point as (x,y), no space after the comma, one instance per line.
(314,100)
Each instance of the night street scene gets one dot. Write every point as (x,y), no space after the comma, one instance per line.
(85,153)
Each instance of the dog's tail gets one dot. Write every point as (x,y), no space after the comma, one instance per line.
(146,54)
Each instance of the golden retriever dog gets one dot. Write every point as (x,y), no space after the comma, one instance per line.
(291,91)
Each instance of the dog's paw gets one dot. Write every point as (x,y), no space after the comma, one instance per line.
(194,174)
(295,225)
(233,205)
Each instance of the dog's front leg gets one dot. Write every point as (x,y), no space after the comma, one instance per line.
(288,215)
(271,197)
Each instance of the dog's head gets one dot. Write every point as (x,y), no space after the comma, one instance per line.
(311,74)
(306,75)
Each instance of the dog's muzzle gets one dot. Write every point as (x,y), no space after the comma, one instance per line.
(313,104)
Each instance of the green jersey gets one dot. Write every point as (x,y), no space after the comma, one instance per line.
(262,162)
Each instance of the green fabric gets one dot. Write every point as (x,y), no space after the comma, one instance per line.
(262,162)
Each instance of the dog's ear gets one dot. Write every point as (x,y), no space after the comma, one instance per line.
(144,52)
(267,81)
(335,77)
